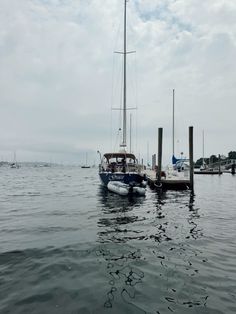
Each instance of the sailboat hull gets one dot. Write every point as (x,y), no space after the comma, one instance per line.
(127,178)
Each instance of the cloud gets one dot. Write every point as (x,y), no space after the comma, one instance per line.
(58,76)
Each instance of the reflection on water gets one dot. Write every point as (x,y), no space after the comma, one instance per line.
(151,238)
(114,201)
(123,275)
(174,217)
(116,226)
(195,231)
(118,217)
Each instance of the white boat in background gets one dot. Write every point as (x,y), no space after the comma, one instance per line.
(203,165)
(14,164)
(120,171)
(86,163)
(176,175)
(206,169)
(178,164)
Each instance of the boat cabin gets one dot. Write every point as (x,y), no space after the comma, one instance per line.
(119,162)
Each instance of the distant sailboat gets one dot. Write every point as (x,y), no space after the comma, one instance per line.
(86,164)
(206,169)
(204,165)
(14,164)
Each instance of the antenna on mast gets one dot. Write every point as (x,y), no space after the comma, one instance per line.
(130,133)
(173,124)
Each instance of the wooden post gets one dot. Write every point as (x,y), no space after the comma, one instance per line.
(191,157)
(233,168)
(219,164)
(160,131)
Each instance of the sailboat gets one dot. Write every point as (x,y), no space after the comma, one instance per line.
(120,171)
(14,164)
(86,164)
(204,165)
(178,164)
(205,169)
(176,175)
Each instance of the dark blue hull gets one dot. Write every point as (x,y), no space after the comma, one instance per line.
(128,178)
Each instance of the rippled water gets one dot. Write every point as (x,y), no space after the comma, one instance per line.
(68,246)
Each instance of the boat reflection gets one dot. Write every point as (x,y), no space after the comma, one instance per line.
(156,233)
(123,272)
(171,209)
(111,200)
(118,215)
(195,231)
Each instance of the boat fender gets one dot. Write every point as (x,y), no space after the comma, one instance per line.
(144,183)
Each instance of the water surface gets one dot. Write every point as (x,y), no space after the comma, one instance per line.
(69,246)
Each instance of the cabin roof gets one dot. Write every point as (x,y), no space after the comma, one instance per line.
(119,155)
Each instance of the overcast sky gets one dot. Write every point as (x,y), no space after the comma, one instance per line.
(59,76)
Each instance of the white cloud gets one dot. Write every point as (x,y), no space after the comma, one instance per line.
(56,72)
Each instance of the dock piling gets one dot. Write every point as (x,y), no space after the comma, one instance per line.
(219,164)
(191,157)
(233,168)
(160,132)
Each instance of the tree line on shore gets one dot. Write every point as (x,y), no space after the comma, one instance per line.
(213,159)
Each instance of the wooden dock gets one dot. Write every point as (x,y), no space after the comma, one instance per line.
(167,183)
(172,179)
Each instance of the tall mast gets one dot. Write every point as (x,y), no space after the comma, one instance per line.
(130,132)
(124,91)
(203,147)
(173,123)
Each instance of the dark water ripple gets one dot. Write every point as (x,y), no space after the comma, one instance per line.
(69,246)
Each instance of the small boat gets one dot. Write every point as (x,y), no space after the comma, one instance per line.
(208,171)
(205,169)
(86,165)
(177,175)
(125,189)
(14,164)
(120,171)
